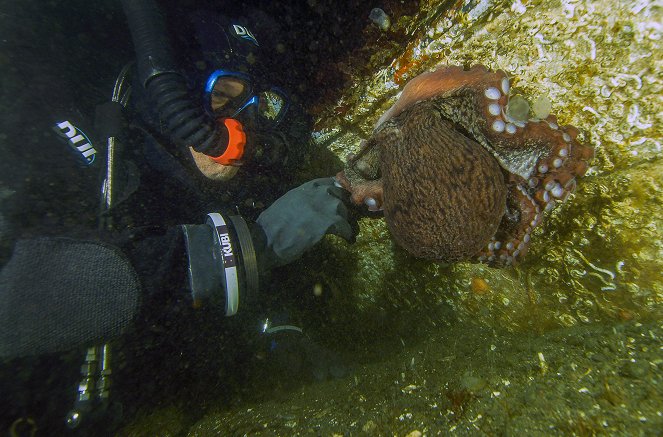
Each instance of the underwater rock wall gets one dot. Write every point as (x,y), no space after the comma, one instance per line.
(598,257)
(596,260)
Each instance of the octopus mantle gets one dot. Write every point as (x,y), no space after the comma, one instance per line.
(456,176)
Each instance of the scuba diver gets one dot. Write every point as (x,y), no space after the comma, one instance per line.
(200,123)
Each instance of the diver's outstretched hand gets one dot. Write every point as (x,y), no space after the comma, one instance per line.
(301,217)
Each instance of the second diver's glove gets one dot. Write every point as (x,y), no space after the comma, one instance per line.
(294,354)
(301,217)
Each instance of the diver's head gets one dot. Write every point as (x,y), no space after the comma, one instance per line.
(227,73)
(230,75)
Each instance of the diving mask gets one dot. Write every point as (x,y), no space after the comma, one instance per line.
(229,93)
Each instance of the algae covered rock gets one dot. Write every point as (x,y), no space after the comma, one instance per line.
(596,258)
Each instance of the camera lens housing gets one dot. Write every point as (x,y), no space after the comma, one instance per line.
(222,262)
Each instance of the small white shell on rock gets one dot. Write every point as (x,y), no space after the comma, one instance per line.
(380,19)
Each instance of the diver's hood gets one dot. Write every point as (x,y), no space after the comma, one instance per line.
(225,43)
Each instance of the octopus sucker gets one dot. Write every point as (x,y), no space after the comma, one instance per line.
(457,177)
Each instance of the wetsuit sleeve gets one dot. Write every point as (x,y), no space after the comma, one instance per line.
(60,293)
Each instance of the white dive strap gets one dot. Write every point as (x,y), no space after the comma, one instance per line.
(229,258)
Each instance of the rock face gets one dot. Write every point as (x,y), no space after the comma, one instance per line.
(597,257)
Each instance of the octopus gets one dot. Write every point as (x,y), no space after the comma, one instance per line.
(460,172)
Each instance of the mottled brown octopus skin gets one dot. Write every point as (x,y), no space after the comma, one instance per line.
(444,194)
(425,146)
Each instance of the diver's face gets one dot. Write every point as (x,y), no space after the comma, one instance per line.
(230,93)
(224,91)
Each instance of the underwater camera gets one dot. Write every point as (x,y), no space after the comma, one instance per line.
(223,268)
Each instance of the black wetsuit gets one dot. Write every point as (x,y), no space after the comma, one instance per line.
(50,185)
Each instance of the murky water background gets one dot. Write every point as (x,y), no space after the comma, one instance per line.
(568,342)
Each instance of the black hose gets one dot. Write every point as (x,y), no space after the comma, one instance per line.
(185,121)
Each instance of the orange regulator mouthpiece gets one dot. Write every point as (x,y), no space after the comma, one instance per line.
(236,143)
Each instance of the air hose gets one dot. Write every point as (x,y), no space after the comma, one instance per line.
(184,119)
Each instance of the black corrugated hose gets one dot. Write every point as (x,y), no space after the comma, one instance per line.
(185,120)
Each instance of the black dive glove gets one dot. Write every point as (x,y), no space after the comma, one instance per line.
(301,217)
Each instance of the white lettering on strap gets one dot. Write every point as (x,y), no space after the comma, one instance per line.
(75,135)
(244,33)
(229,262)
